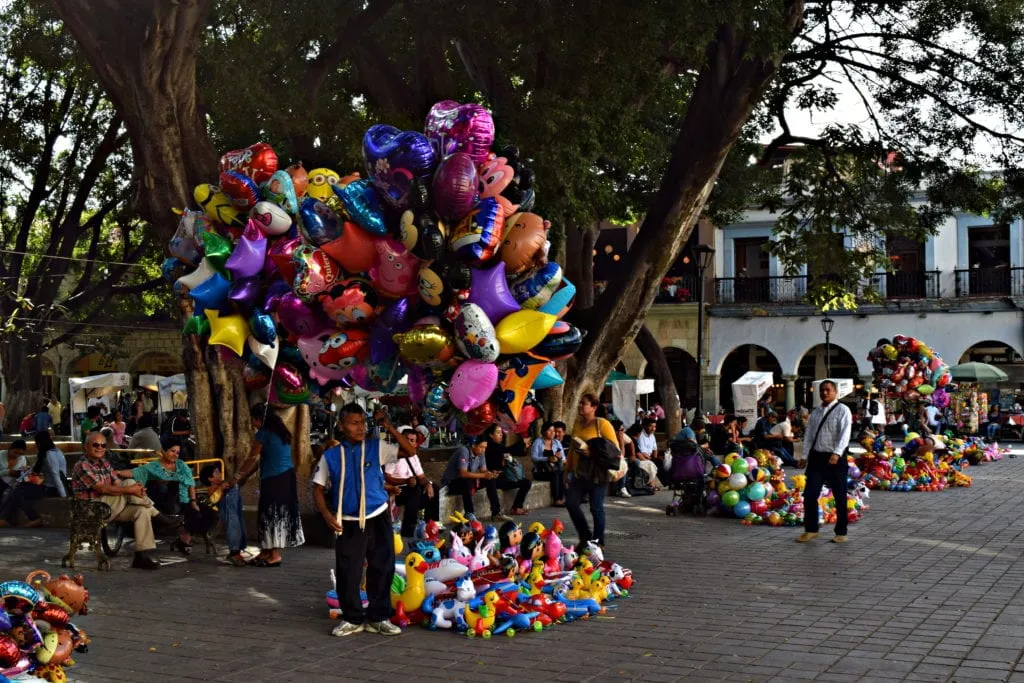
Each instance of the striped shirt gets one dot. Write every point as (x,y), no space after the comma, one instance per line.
(835,432)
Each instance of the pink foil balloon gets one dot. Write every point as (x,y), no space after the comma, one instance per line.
(472,384)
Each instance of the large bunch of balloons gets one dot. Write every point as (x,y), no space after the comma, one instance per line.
(36,632)
(481,581)
(915,467)
(906,368)
(432,266)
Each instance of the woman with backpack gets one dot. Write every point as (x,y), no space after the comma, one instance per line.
(595,446)
(44,480)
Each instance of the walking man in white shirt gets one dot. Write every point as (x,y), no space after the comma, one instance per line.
(828,435)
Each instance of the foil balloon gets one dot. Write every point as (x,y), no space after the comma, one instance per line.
(318,221)
(355,249)
(257,162)
(276,290)
(516,382)
(290,385)
(480,418)
(417,384)
(521,331)
(299,318)
(315,271)
(247,258)
(360,202)
(218,206)
(351,301)
(439,281)
(561,301)
(212,292)
(228,330)
(394,159)
(417,230)
(535,288)
(475,335)
(183,245)
(256,377)
(266,353)
(270,218)
(453,127)
(425,344)
(524,243)
(547,379)
(246,293)
(10,653)
(437,396)
(529,414)
(561,342)
(477,237)
(172,269)
(262,327)
(396,318)
(520,190)
(496,174)
(218,250)
(281,253)
(320,185)
(242,191)
(472,383)
(397,271)
(454,188)
(281,191)
(382,377)
(300,179)
(490,292)
(332,356)
(197,324)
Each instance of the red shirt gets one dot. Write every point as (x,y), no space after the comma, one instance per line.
(87,473)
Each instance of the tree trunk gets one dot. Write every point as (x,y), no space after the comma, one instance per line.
(23,374)
(727,89)
(668,392)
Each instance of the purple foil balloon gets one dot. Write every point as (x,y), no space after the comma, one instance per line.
(299,318)
(275,291)
(453,127)
(417,384)
(455,187)
(395,318)
(394,158)
(245,293)
(249,254)
(490,292)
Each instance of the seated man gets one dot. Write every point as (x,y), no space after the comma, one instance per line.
(467,471)
(406,471)
(779,440)
(647,451)
(94,479)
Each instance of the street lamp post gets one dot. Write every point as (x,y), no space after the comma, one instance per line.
(704,253)
(826,325)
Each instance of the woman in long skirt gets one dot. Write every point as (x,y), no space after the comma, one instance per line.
(280,525)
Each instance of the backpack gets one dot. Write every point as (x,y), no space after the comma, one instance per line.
(27,424)
(872,407)
(639,483)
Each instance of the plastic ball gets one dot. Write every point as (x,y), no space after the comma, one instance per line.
(756,491)
(731,498)
(741,509)
(737,481)
(739,466)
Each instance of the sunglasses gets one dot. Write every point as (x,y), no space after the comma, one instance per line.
(98,445)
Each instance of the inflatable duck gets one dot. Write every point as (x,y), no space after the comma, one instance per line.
(407,603)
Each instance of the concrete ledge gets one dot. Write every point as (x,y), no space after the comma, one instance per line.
(539,497)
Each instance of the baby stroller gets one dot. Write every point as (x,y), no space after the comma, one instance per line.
(688,478)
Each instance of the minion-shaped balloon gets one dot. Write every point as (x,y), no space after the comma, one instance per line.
(320,182)
(218,206)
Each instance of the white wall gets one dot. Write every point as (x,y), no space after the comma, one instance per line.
(790,337)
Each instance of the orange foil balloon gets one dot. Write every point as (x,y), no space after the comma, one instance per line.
(300,179)
(355,249)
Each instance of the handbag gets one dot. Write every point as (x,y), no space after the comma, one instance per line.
(513,470)
(599,459)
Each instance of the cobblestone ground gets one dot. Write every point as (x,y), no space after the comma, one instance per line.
(928,589)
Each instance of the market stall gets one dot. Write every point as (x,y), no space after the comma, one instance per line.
(97,389)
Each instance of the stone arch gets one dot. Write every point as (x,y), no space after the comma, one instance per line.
(811,367)
(986,347)
(156,363)
(685,374)
(740,360)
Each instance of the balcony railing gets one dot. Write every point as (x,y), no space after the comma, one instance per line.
(677,290)
(760,290)
(997,281)
(907,284)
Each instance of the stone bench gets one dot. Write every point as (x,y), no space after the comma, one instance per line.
(539,497)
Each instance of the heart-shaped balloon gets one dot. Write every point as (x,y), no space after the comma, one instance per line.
(318,221)
(454,127)
(281,253)
(195,278)
(455,187)
(276,290)
(300,179)
(355,249)
(266,353)
(281,190)
(478,236)
(480,418)
(211,293)
(271,219)
(490,292)
(396,318)
(299,318)
(362,205)
(315,271)
(262,327)
(290,385)
(228,330)
(9,651)
(247,258)
(218,249)
(244,193)
(395,158)
(218,206)
(245,293)
(257,161)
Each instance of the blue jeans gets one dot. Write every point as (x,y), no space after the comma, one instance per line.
(234,520)
(574,493)
(992,429)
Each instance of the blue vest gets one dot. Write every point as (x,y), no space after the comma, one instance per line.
(374,475)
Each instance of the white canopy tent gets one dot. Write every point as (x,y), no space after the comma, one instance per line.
(746,391)
(149,382)
(173,393)
(624,394)
(90,391)
(844,387)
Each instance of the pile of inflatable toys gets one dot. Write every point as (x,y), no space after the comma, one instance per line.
(915,467)
(753,488)
(481,581)
(975,450)
(432,266)
(906,368)
(37,636)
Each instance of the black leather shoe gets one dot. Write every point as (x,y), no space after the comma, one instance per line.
(140,561)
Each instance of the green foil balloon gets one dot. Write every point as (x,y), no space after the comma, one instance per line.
(197,324)
(218,249)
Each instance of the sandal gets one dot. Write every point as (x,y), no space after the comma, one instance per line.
(180,546)
(236,560)
(262,562)
(520,512)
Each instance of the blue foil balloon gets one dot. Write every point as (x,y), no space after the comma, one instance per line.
(212,292)
(394,158)
(19,589)
(280,189)
(262,328)
(319,221)
(547,379)
(560,301)
(276,290)
(171,269)
(396,318)
(362,205)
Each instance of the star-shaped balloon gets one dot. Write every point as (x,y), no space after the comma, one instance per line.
(490,292)
(212,292)
(249,254)
(228,330)
(218,249)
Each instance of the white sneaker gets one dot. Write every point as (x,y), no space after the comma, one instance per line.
(625,494)
(346,628)
(385,628)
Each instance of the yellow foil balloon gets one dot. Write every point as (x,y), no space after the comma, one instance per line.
(320,182)
(229,330)
(425,344)
(218,206)
(522,330)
